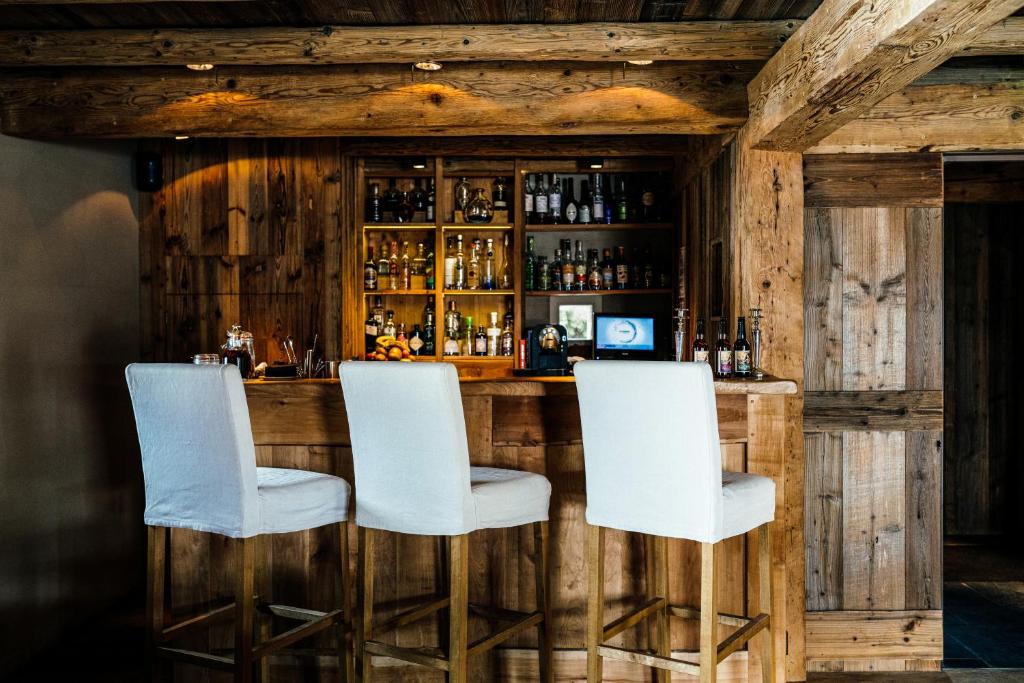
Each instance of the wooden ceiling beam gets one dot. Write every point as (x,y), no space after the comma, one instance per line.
(380,100)
(850,55)
(949,110)
(666,41)
(1004,38)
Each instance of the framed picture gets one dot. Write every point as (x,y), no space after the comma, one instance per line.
(577,317)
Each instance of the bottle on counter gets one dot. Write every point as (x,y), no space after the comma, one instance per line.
(723,351)
(700,344)
(741,360)
(239,350)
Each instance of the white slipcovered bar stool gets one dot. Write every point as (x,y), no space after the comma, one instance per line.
(654,466)
(199,467)
(412,476)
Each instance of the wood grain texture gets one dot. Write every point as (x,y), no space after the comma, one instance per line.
(381,100)
(827,411)
(924,510)
(924,299)
(990,182)
(868,635)
(323,45)
(849,56)
(981,110)
(823,525)
(849,180)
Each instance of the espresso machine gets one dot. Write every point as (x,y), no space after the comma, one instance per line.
(547,352)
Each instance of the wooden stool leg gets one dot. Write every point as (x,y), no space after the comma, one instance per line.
(346,666)
(708,613)
(156,562)
(595,602)
(545,650)
(245,554)
(364,622)
(458,612)
(264,580)
(664,644)
(764,565)
(443,574)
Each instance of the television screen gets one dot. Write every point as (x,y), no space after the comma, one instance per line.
(623,333)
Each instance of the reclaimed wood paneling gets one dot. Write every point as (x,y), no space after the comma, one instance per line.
(878,635)
(873,299)
(850,180)
(989,182)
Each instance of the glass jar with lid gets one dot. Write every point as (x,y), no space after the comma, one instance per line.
(238,350)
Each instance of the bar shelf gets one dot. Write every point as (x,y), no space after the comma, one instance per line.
(599,292)
(595,227)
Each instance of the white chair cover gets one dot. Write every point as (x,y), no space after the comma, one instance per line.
(412,459)
(199,461)
(652,454)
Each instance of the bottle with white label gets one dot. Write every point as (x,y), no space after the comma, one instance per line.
(449,264)
(493,335)
(540,200)
(723,352)
(741,360)
(700,344)
(555,200)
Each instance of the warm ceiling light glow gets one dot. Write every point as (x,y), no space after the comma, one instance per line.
(199,67)
(428,65)
(181,137)
(640,62)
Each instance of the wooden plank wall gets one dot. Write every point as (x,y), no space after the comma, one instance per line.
(243,231)
(873,416)
(984,250)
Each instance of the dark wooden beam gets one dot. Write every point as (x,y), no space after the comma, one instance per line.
(666,41)
(850,55)
(949,110)
(383,100)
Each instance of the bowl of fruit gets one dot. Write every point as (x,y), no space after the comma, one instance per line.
(390,348)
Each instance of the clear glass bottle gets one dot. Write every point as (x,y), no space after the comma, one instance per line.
(493,335)
(449,264)
(530,267)
(390,329)
(406,266)
(487,276)
(580,266)
(374,205)
(499,194)
(543,274)
(452,327)
(459,278)
(473,269)
(370,271)
(461,194)
(568,267)
(504,278)
(383,267)
(555,271)
(418,268)
(468,342)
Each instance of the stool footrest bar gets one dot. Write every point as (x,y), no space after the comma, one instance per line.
(406,655)
(655,661)
(738,639)
(213,616)
(497,613)
(411,615)
(199,658)
(694,613)
(295,613)
(633,617)
(488,642)
(301,631)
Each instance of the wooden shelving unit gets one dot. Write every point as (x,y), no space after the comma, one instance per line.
(602,292)
(596,227)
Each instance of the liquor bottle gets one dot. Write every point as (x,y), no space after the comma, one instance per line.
(504,279)
(648,209)
(648,269)
(598,200)
(371,332)
(429,277)
(400,333)
(555,201)
(487,277)
(571,208)
(540,200)
(530,267)
(741,350)
(459,277)
(621,202)
(509,317)
(473,269)
(480,342)
(394,269)
(528,190)
(468,341)
(636,273)
(370,271)
(390,329)
(461,194)
(508,341)
(449,264)
(586,208)
(418,268)
(418,197)
(406,267)
(493,335)
(430,207)
(580,266)
(499,195)
(374,205)
(416,343)
(390,199)
(543,274)
(383,267)
(607,271)
(429,329)
(568,267)
(723,351)
(405,212)
(379,313)
(555,271)
(594,276)
(700,344)
(452,326)
(621,270)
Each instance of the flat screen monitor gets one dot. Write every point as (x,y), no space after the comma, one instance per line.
(624,336)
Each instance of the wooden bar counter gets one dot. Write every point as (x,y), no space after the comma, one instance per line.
(516,423)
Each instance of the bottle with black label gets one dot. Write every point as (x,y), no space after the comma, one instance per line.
(700,344)
(742,366)
(429,328)
(372,328)
(480,342)
(430,202)
(723,351)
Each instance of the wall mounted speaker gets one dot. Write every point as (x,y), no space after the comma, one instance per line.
(149,172)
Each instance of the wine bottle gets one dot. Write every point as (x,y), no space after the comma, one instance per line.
(700,344)
(555,201)
(571,209)
(741,350)
(528,191)
(540,200)
(586,208)
(370,271)
(723,351)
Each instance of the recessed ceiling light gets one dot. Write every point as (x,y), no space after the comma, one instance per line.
(640,62)
(199,67)
(181,137)
(428,65)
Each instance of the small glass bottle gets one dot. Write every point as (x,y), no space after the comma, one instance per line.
(452,325)
(723,352)
(473,269)
(418,267)
(459,274)
(741,350)
(449,264)
(499,195)
(480,342)
(461,194)
(700,344)
(370,271)
(504,279)
(394,267)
